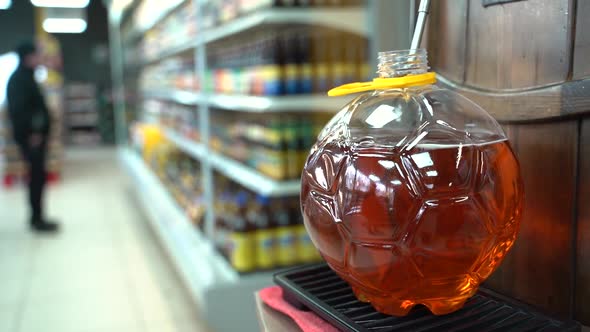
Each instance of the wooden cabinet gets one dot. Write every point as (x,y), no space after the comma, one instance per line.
(581,67)
(582,254)
(528,64)
(539,270)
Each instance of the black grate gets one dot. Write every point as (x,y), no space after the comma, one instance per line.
(318,288)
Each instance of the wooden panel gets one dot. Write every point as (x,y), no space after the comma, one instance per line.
(543,103)
(572,97)
(445,38)
(575,97)
(518,45)
(538,269)
(582,294)
(582,42)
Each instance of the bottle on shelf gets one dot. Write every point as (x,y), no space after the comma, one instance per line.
(195,209)
(321,62)
(291,138)
(264,234)
(306,251)
(286,248)
(302,49)
(224,207)
(364,67)
(241,246)
(288,49)
(337,57)
(305,142)
(272,68)
(269,156)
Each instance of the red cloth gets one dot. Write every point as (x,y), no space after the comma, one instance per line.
(307,320)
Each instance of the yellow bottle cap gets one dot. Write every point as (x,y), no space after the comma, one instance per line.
(384,84)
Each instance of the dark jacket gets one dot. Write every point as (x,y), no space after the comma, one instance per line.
(27,110)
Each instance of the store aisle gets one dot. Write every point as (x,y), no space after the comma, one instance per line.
(104,272)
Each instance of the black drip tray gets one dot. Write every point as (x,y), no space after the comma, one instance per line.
(321,290)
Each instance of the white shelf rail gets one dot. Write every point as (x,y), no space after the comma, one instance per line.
(259,104)
(175,95)
(238,172)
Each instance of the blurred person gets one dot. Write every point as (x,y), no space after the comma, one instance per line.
(30,121)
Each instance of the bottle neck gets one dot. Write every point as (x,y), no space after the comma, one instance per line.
(402,63)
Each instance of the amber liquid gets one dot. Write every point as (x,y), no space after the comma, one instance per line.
(424,226)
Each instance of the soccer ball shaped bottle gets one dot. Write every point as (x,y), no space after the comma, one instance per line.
(412,194)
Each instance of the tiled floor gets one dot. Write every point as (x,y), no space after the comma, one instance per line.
(104,272)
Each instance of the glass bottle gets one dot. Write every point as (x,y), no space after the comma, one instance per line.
(412,195)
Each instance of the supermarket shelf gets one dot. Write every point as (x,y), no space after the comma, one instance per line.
(211,281)
(353,19)
(190,147)
(82,119)
(201,266)
(252,179)
(348,19)
(172,5)
(299,103)
(176,49)
(179,96)
(84,137)
(240,173)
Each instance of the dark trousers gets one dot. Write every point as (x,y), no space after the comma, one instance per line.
(35,159)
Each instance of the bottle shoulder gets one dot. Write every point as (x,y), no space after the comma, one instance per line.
(396,117)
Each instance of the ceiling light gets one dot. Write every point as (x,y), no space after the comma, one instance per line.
(5,4)
(64,25)
(61,3)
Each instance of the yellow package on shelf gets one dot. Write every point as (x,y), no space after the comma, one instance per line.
(149,136)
